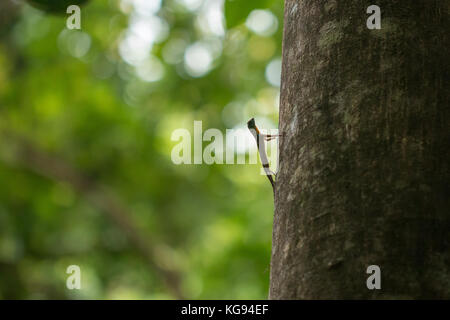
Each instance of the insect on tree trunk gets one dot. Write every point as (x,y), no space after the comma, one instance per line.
(364,160)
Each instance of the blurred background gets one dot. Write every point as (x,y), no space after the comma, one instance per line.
(86,176)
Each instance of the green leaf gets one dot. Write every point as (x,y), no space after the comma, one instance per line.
(55,6)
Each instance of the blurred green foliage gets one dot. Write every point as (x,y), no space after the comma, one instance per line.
(238,10)
(86,176)
(55,6)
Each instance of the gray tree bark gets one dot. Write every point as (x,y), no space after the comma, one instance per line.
(364,160)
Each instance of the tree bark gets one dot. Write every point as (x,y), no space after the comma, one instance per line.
(364,160)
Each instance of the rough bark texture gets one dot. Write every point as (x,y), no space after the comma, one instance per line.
(364,160)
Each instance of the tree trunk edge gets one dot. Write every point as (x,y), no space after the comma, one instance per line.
(364,173)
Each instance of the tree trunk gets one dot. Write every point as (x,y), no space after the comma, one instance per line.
(364,160)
